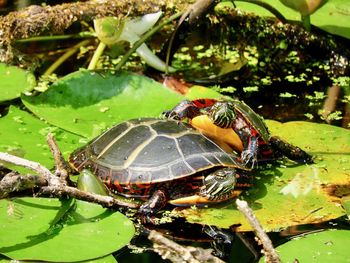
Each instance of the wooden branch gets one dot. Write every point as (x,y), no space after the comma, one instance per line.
(49,184)
(62,168)
(34,166)
(14,182)
(103,200)
(176,253)
(271,255)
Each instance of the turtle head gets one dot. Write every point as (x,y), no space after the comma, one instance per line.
(220,184)
(223,114)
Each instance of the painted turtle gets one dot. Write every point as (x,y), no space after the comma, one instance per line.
(235,126)
(162,161)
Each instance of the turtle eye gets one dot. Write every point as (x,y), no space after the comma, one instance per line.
(223,114)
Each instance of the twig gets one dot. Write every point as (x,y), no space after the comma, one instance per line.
(14,182)
(62,168)
(269,251)
(55,187)
(174,252)
(34,166)
(105,201)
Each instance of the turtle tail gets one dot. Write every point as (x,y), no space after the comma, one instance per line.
(290,151)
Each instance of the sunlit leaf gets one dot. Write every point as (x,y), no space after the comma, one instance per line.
(87,103)
(345,201)
(24,135)
(86,232)
(322,247)
(106,259)
(333,17)
(14,81)
(23,219)
(290,194)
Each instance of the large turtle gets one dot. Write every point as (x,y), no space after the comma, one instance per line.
(235,126)
(162,161)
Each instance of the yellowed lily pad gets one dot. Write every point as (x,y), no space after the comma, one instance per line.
(288,194)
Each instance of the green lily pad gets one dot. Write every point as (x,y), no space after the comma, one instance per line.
(292,194)
(87,103)
(22,219)
(85,232)
(333,17)
(106,259)
(24,135)
(322,247)
(14,81)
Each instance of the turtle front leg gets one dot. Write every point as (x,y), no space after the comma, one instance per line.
(219,185)
(250,155)
(157,201)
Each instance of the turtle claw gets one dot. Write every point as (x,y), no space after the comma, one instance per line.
(249,158)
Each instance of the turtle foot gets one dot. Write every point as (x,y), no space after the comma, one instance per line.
(249,158)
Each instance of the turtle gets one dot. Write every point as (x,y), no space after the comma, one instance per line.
(235,126)
(161,161)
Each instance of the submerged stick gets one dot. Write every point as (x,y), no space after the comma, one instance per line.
(269,251)
(175,252)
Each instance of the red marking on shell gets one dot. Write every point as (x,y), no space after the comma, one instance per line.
(117,186)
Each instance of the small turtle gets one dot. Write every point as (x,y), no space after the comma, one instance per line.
(235,126)
(160,162)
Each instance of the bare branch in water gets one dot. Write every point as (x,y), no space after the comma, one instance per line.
(269,251)
(175,252)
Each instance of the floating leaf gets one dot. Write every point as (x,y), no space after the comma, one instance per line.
(24,135)
(323,247)
(333,17)
(87,103)
(22,219)
(14,81)
(293,194)
(86,232)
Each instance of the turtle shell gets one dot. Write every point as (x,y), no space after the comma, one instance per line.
(150,150)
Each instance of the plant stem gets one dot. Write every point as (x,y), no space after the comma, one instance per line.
(268,7)
(58,37)
(98,53)
(147,35)
(305,19)
(65,56)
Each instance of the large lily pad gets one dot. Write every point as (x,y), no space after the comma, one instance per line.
(323,247)
(14,81)
(23,219)
(24,135)
(87,103)
(85,232)
(333,17)
(292,194)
